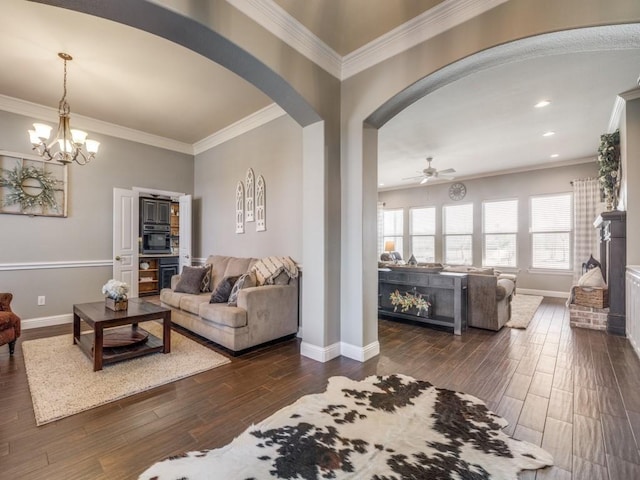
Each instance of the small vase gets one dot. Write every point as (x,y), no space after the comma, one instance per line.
(116,305)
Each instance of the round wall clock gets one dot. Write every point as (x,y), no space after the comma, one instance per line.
(457,191)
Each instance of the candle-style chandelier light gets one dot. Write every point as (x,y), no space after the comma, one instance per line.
(67,145)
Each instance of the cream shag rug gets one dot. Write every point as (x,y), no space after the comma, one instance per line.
(523,308)
(383,427)
(62,381)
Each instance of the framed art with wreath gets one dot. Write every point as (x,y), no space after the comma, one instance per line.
(32,186)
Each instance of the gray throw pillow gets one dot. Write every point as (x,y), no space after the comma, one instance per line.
(223,290)
(191,280)
(245,281)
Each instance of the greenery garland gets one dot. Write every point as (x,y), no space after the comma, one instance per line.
(15,180)
(609,165)
(409,301)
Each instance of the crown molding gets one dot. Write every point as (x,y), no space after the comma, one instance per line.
(616,114)
(276,20)
(444,16)
(240,127)
(33,110)
(440,18)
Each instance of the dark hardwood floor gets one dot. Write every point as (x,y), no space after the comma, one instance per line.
(575,392)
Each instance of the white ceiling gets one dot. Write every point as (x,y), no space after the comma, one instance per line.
(482,124)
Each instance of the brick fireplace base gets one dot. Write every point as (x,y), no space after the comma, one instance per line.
(588,317)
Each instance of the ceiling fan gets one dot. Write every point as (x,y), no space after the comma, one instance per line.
(431,172)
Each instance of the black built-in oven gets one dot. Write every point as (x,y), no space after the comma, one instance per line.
(156,238)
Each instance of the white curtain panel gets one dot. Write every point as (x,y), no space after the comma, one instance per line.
(586,208)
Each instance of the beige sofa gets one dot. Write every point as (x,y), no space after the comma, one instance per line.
(262,314)
(489,295)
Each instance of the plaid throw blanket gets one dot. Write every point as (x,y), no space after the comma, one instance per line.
(268,268)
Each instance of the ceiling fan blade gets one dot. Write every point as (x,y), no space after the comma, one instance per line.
(424,180)
(413,178)
(446,172)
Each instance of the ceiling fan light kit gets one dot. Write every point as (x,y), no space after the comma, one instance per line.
(67,145)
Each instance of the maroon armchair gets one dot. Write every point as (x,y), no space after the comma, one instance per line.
(9,322)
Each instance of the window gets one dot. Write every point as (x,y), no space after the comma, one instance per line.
(458,234)
(500,229)
(551,225)
(422,223)
(393,228)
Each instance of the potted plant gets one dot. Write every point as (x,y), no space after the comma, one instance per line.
(116,292)
(609,168)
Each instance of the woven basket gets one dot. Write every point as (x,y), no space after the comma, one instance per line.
(593,297)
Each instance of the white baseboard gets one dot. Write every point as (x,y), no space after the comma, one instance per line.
(544,293)
(320,354)
(46,321)
(324,354)
(362,354)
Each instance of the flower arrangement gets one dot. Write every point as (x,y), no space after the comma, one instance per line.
(409,300)
(115,289)
(609,167)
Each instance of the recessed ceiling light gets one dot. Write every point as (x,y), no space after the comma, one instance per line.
(548,134)
(542,103)
(381,184)
(554,155)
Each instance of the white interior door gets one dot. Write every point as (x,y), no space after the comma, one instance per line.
(185,230)
(125,238)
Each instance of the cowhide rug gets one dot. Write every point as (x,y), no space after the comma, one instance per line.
(382,428)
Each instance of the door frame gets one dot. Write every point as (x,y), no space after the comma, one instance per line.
(136,227)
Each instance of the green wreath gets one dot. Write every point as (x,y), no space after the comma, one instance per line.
(30,187)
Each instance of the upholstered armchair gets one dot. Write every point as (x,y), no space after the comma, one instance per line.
(9,322)
(488,296)
(489,301)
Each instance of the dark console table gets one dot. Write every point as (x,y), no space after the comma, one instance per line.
(446,291)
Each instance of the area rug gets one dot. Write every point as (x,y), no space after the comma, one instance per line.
(523,308)
(62,381)
(381,428)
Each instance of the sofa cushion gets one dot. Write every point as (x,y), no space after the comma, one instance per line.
(191,303)
(245,281)
(170,297)
(223,290)
(223,314)
(237,267)
(218,266)
(191,280)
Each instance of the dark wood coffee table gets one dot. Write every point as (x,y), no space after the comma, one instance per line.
(128,342)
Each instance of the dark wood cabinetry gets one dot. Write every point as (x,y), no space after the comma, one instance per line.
(154,211)
(447,293)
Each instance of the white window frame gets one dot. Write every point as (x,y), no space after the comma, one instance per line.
(413,235)
(398,238)
(446,236)
(568,232)
(507,233)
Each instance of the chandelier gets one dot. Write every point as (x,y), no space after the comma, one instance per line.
(67,145)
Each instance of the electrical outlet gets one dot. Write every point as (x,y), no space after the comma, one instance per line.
(41,300)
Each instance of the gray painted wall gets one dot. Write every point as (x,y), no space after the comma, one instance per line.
(274,151)
(511,186)
(86,234)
